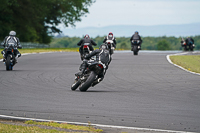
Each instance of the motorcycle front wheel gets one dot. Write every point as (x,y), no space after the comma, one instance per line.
(88,82)
(75,85)
(191,48)
(135,50)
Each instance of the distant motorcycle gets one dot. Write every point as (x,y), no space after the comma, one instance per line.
(89,76)
(135,46)
(111,47)
(86,50)
(187,47)
(10,60)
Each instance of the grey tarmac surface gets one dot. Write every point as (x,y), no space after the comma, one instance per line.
(142,91)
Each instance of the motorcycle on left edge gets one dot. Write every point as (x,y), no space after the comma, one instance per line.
(10,60)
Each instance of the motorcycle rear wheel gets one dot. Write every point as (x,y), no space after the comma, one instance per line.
(8,64)
(88,82)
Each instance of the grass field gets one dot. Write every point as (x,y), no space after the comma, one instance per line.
(189,62)
(37,50)
(44,127)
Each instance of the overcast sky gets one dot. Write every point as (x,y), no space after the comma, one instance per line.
(141,12)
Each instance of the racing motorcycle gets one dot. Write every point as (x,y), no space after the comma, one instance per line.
(10,60)
(86,50)
(135,44)
(187,47)
(111,47)
(89,76)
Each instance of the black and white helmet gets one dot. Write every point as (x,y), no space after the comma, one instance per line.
(12,33)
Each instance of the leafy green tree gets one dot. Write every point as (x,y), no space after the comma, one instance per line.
(36,20)
(163,45)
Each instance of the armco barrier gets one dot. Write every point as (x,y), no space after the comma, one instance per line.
(31,45)
(34,45)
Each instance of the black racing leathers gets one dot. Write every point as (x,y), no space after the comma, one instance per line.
(189,41)
(136,37)
(86,40)
(102,56)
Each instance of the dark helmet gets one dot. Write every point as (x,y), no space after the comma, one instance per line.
(103,46)
(86,36)
(12,33)
(136,32)
(110,34)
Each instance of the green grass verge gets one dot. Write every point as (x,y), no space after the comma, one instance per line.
(40,50)
(6,128)
(189,62)
(33,128)
(66,126)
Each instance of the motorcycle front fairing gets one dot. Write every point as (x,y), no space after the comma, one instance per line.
(135,43)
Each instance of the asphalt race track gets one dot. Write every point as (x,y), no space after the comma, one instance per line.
(138,91)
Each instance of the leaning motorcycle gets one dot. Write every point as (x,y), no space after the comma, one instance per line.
(10,60)
(86,50)
(111,47)
(89,76)
(135,44)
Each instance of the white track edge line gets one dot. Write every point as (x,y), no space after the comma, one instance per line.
(98,125)
(169,60)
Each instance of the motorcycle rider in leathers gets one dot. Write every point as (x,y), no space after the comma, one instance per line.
(102,55)
(11,39)
(86,39)
(136,36)
(189,41)
(110,37)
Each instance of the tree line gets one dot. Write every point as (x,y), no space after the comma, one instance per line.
(149,43)
(36,20)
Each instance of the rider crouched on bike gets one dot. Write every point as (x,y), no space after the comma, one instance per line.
(136,36)
(86,39)
(189,41)
(102,55)
(11,39)
(110,37)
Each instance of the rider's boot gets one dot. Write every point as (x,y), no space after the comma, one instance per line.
(16,59)
(80,73)
(17,56)
(139,47)
(4,58)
